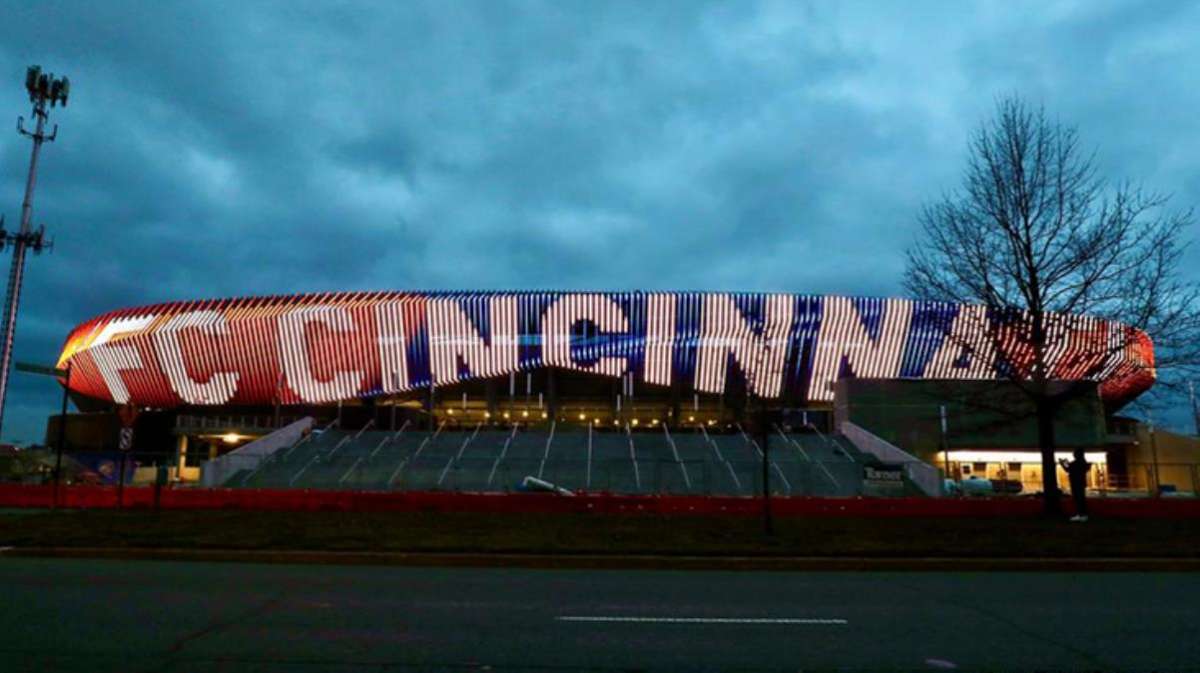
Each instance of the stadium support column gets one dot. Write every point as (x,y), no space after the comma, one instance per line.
(278,397)
(489,391)
(181,447)
(430,401)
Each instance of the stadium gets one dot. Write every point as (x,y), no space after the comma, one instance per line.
(626,392)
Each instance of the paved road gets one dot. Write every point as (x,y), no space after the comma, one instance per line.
(85,615)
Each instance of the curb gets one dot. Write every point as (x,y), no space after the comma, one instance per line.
(613,562)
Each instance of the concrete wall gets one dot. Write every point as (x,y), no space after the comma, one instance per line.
(1172,458)
(980,415)
(921,474)
(250,456)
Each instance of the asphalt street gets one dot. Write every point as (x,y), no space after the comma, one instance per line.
(104,615)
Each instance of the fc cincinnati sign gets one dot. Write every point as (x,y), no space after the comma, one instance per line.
(324,347)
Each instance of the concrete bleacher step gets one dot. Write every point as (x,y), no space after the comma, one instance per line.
(383,463)
(497,460)
(237,478)
(692,446)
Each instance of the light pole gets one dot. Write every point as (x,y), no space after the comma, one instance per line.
(62,434)
(765,436)
(65,375)
(45,91)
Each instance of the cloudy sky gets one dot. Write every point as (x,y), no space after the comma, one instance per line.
(237,148)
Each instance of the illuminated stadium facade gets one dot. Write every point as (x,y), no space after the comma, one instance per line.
(324,348)
(661,391)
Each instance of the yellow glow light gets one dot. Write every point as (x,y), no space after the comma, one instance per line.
(635,421)
(506,414)
(231,438)
(583,417)
(524,414)
(1027,457)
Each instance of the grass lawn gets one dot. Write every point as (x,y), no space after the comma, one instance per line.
(601,534)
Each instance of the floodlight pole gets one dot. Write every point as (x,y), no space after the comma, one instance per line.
(44,92)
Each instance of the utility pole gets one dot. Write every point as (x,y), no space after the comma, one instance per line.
(45,91)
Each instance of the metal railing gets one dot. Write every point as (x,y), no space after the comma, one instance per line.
(251,423)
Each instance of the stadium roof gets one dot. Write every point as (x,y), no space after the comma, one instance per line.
(320,348)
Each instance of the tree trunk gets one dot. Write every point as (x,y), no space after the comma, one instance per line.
(1051,497)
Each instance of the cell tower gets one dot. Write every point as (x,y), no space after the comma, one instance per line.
(45,91)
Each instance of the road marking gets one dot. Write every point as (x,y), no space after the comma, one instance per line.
(706,620)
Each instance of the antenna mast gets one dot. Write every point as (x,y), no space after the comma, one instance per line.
(45,91)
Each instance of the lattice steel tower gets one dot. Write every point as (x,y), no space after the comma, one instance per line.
(45,91)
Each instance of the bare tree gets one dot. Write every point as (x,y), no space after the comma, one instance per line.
(1036,236)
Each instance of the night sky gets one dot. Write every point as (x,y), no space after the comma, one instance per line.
(224,149)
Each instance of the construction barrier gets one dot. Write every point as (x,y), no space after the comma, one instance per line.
(141,498)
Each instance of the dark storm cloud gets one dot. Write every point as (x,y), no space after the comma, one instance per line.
(238,148)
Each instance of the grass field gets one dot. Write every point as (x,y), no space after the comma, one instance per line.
(600,534)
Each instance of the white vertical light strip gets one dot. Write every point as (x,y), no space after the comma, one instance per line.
(297,363)
(761,357)
(777,329)
(660,338)
(503,354)
(452,336)
(1058,336)
(844,335)
(968,332)
(220,386)
(393,347)
(211,352)
(567,311)
(112,357)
